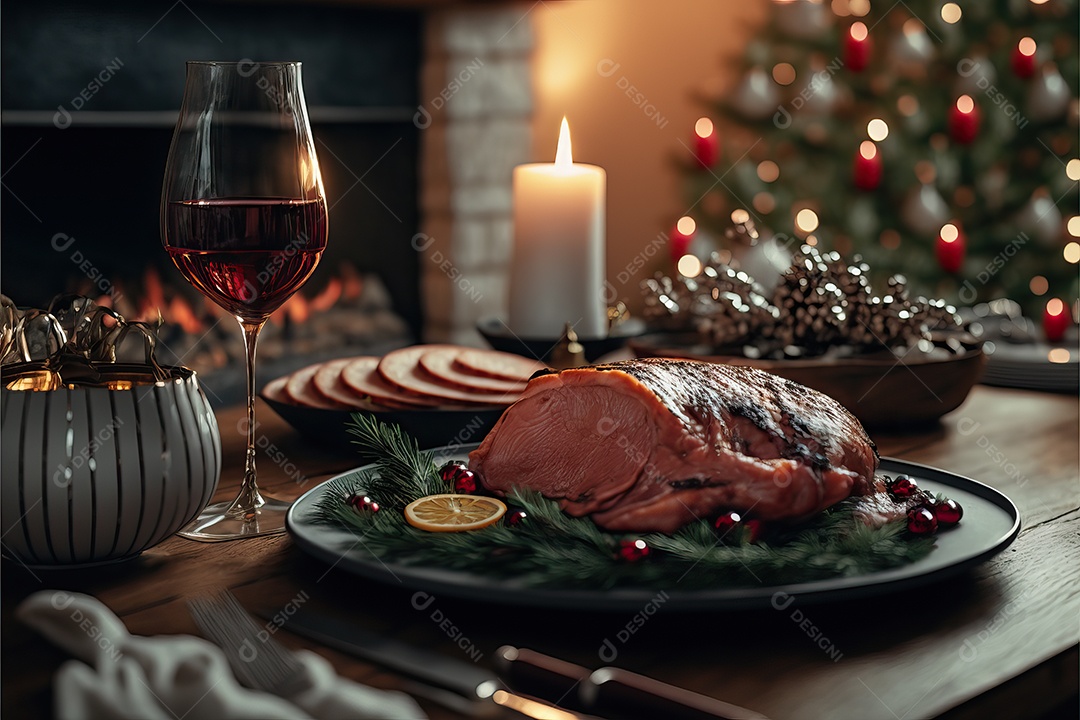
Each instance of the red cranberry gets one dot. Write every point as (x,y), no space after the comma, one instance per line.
(902,487)
(948,512)
(362,503)
(448,471)
(633,550)
(921,521)
(515,518)
(725,523)
(466,482)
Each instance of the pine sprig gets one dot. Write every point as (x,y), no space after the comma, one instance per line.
(554,549)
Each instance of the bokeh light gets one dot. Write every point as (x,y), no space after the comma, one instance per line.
(1038,285)
(877,129)
(768,171)
(689,266)
(686,225)
(806,220)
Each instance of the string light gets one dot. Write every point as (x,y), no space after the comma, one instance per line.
(689,266)
(764,203)
(1038,285)
(907,105)
(1072,170)
(877,129)
(1072,252)
(783,73)
(806,220)
(768,171)
(951,12)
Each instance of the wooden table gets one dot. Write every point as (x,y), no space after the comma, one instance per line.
(1000,642)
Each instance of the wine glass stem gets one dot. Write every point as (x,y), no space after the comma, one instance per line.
(249,500)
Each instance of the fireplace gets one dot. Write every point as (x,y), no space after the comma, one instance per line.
(419,116)
(89,96)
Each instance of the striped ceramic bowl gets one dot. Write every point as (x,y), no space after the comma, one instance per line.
(95,475)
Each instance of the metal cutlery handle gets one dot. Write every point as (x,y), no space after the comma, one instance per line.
(610,691)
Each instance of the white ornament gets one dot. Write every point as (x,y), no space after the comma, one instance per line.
(911,50)
(756,97)
(766,261)
(975,75)
(818,96)
(803,19)
(925,211)
(1048,95)
(1041,217)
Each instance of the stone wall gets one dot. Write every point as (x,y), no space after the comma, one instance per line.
(477,103)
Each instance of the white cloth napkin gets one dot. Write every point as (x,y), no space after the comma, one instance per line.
(132,677)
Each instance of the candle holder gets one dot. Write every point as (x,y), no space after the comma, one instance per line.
(499,335)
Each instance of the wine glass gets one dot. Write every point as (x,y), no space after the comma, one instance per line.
(243,216)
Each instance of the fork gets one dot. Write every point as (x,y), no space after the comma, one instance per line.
(258,660)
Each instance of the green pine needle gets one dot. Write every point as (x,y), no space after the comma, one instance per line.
(551,548)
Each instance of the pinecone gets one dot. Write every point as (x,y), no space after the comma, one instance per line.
(812,312)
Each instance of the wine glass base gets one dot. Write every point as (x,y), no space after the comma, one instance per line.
(216,524)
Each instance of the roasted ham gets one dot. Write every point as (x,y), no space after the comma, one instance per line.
(651,445)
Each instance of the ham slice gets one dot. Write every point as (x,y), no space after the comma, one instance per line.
(401,369)
(300,388)
(492,363)
(362,375)
(440,364)
(652,445)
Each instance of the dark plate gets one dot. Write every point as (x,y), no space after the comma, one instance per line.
(499,337)
(431,428)
(991,522)
(881,390)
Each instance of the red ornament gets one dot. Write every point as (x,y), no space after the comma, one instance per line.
(921,521)
(466,482)
(902,487)
(964,120)
(1056,320)
(951,247)
(362,503)
(515,518)
(450,470)
(633,550)
(1023,58)
(947,512)
(857,48)
(753,530)
(867,171)
(681,237)
(706,143)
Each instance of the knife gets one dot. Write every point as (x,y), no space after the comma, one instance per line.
(461,686)
(609,690)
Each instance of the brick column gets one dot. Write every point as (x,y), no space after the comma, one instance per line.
(476,88)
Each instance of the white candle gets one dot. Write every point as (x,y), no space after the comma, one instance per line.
(557,271)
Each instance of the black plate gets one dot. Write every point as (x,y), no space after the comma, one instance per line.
(991,522)
(431,428)
(500,337)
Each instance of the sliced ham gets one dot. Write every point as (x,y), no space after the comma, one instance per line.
(440,364)
(401,369)
(362,375)
(652,445)
(492,363)
(300,388)
(330,384)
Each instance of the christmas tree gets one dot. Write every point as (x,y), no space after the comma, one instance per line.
(937,140)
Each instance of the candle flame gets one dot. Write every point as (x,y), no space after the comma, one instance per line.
(868,149)
(859,31)
(564,155)
(1027,46)
(965,104)
(949,233)
(703,127)
(1055,307)
(686,225)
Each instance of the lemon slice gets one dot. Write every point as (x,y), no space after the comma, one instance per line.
(453,513)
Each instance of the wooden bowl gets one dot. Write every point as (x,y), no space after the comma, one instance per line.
(881,390)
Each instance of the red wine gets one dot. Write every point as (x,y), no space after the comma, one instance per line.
(247,255)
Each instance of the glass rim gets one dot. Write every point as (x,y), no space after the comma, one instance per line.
(252,63)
